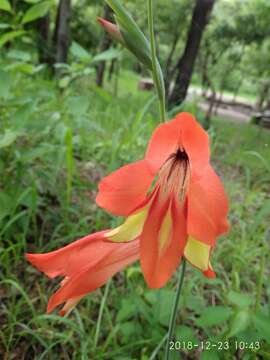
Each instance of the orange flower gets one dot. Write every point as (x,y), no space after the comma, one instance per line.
(185,210)
(174,204)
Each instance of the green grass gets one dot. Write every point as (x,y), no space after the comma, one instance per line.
(56,146)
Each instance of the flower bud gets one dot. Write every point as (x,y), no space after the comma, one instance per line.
(112,29)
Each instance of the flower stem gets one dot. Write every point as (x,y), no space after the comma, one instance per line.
(174,310)
(101,309)
(156,70)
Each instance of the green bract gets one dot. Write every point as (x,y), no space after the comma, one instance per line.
(134,38)
(136,42)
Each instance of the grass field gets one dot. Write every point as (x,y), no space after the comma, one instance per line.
(55,145)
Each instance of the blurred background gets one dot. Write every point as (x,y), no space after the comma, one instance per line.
(74,106)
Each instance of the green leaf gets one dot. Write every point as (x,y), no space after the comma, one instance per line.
(133,271)
(128,309)
(36,11)
(185,334)
(161,301)
(131,329)
(5,84)
(4,26)
(263,212)
(78,51)
(105,95)
(10,36)
(78,105)
(214,315)
(262,324)
(32,1)
(109,54)
(31,155)
(195,303)
(241,300)
(64,81)
(8,138)
(250,335)
(19,55)
(5,205)
(5,5)
(22,67)
(209,355)
(240,322)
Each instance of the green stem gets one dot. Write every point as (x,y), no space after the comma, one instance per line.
(160,345)
(156,71)
(101,309)
(174,310)
(260,282)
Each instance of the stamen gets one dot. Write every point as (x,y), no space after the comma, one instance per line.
(174,176)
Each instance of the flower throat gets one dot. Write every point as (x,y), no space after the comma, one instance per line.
(174,175)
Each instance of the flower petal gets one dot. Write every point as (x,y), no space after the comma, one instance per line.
(207,208)
(163,143)
(85,264)
(123,190)
(181,132)
(198,254)
(90,278)
(162,242)
(131,228)
(71,258)
(194,139)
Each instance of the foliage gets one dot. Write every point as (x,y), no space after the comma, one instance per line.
(55,145)
(237,35)
(59,136)
(235,40)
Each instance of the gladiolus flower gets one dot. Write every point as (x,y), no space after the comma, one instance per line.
(174,204)
(173,200)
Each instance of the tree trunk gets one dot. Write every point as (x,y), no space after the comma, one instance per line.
(263,94)
(62,31)
(105,45)
(111,69)
(43,40)
(185,65)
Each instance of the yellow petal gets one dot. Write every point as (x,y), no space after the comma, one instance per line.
(165,231)
(130,229)
(197,253)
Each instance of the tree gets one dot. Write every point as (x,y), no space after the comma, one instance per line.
(62,31)
(185,64)
(234,52)
(54,49)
